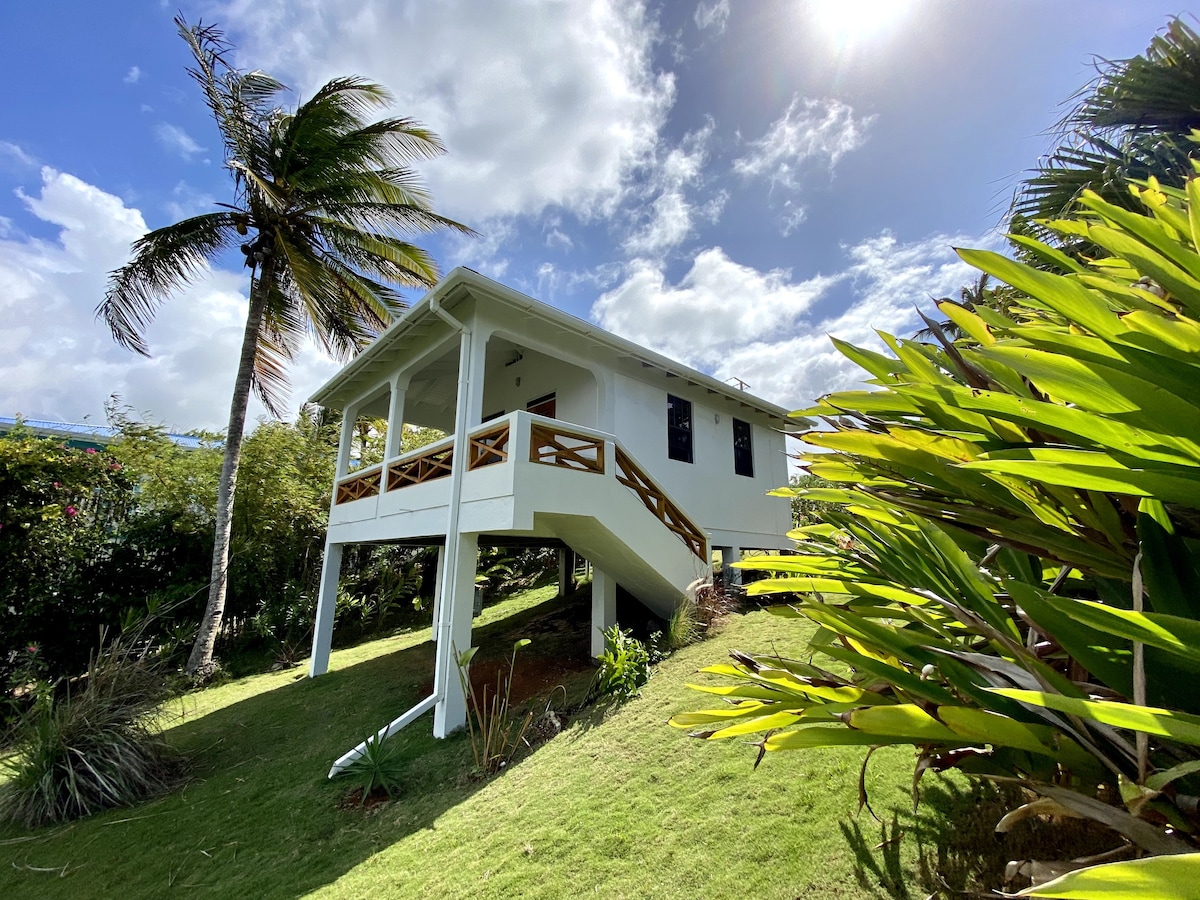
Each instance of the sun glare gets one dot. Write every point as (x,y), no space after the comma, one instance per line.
(847,22)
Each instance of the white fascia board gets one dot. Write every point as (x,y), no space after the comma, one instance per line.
(494,291)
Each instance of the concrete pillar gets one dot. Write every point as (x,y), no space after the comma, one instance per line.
(395,422)
(454,634)
(474,388)
(439,579)
(564,572)
(733,576)
(604,607)
(326,606)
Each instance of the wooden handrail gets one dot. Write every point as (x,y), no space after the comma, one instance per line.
(430,465)
(549,445)
(653,498)
(365,485)
(487,448)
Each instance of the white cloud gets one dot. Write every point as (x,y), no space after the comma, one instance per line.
(14,152)
(187,201)
(176,140)
(540,103)
(133,75)
(773,332)
(717,306)
(714,15)
(818,130)
(60,363)
(672,215)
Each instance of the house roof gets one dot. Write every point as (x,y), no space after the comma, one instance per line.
(345,386)
(84,433)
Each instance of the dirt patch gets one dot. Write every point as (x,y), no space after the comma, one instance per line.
(558,653)
(354,801)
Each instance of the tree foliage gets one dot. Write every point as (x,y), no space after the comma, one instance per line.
(324,197)
(1011,568)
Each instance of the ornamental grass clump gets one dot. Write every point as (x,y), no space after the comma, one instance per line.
(90,744)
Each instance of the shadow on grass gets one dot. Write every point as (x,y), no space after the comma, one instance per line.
(259,817)
(958,850)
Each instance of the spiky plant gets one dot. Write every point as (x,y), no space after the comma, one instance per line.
(322,197)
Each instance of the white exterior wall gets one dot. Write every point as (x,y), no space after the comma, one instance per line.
(733,508)
(574,388)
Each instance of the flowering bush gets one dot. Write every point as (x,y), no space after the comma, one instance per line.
(59,507)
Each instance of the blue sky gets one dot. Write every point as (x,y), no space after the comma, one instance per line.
(727,181)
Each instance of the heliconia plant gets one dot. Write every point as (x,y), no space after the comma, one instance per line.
(1010,572)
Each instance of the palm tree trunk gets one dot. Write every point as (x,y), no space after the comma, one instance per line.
(201,657)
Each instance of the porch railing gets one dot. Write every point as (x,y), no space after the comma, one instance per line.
(428,466)
(554,446)
(653,498)
(360,486)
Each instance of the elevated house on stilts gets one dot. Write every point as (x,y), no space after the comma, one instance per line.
(557,431)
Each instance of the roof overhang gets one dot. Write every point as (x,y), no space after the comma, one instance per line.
(461,283)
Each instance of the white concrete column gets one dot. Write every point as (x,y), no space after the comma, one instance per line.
(395,422)
(438,586)
(564,572)
(331,568)
(454,634)
(734,575)
(604,607)
(349,417)
(474,387)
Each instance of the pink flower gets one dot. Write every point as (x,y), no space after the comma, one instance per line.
(32,648)
(58,484)
(115,467)
(90,451)
(71,511)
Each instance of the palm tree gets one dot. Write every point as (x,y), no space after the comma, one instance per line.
(1133,121)
(322,197)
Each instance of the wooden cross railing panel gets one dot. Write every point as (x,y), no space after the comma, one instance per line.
(429,466)
(651,495)
(365,485)
(553,446)
(488,448)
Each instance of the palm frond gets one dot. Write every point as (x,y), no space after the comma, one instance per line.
(163,260)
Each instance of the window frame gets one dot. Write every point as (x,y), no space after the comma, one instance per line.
(680,423)
(743,457)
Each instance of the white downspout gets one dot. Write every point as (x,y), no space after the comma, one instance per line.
(450,569)
(444,600)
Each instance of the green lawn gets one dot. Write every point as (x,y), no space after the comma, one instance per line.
(618,805)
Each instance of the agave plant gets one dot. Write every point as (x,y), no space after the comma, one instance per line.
(1011,569)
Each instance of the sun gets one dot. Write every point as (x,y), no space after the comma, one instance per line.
(847,22)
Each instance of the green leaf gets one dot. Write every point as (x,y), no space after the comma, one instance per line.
(1152,720)
(1168,567)
(1175,877)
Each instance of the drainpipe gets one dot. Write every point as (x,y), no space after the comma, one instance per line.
(449,569)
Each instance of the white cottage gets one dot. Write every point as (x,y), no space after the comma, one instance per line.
(558,431)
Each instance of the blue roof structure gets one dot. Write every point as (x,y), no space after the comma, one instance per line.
(83,434)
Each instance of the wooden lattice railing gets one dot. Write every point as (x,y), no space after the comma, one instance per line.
(553,446)
(365,485)
(429,466)
(630,475)
(487,448)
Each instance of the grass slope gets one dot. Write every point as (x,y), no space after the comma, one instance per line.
(618,805)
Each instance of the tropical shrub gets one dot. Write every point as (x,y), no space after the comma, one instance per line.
(1010,570)
(379,767)
(60,512)
(624,665)
(496,734)
(83,747)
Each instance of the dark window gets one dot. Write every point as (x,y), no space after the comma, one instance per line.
(542,406)
(679,429)
(743,449)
